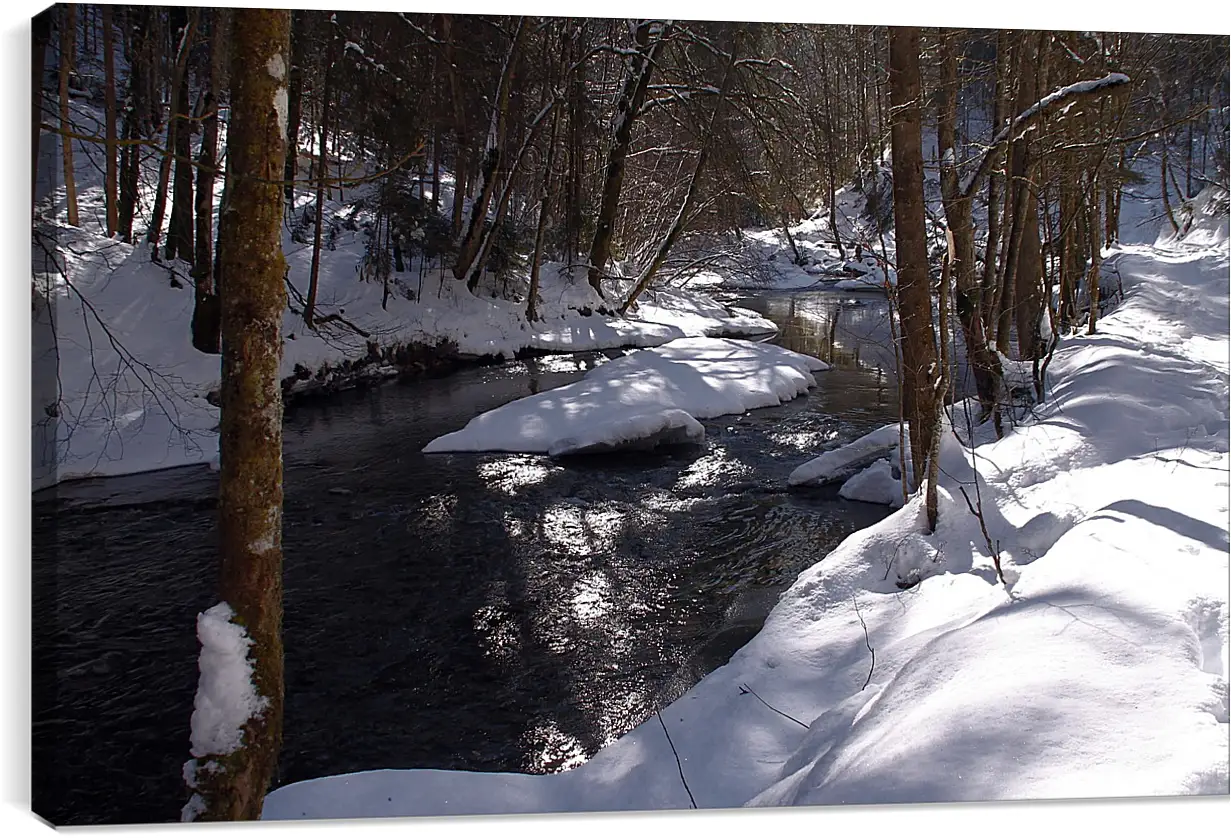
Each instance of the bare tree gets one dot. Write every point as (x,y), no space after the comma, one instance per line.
(68,48)
(232,786)
(919,363)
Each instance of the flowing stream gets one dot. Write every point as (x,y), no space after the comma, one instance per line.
(486,612)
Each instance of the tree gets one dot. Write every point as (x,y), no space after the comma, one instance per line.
(920,371)
(636,83)
(206,323)
(180,227)
(68,46)
(232,786)
(164,171)
(110,178)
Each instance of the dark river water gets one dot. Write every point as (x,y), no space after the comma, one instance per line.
(486,612)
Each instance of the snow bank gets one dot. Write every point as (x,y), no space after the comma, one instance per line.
(1099,670)
(842,461)
(641,394)
(636,431)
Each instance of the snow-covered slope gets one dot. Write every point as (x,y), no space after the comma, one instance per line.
(910,673)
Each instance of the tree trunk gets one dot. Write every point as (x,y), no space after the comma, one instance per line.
(68,48)
(110,176)
(919,362)
(1096,256)
(322,174)
(489,168)
(206,313)
(294,105)
(958,211)
(179,230)
(536,259)
(631,99)
(38,61)
(134,119)
(232,786)
(1028,277)
(164,171)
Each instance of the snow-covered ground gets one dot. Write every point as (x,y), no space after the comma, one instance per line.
(658,394)
(904,671)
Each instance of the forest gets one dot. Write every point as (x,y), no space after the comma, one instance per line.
(972,236)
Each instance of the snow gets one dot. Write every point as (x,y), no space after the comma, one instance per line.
(875,484)
(647,430)
(226,697)
(642,394)
(1098,670)
(844,459)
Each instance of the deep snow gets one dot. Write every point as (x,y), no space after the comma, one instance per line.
(1100,669)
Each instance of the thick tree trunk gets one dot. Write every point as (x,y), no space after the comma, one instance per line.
(631,99)
(919,362)
(232,786)
(206,312)
(68,48)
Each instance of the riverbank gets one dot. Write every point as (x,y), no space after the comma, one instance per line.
(119,388)
(906,670)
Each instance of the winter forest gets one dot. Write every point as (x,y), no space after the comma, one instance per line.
(452,414)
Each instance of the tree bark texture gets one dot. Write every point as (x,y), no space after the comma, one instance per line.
(250,487)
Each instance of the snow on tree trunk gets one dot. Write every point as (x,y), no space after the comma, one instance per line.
(471,243)
(230,775)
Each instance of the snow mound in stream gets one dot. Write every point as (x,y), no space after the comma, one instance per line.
(627,400)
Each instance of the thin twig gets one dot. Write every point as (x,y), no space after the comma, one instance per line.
(677,760)
(744,688)
(867,641)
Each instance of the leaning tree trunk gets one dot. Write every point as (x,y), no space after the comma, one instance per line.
(631,99)
(68,43)
(919,362)
(230,781)
(468,250)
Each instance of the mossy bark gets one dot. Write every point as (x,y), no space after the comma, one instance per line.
(250,490)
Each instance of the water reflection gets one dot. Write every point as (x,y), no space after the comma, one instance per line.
(482,612)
